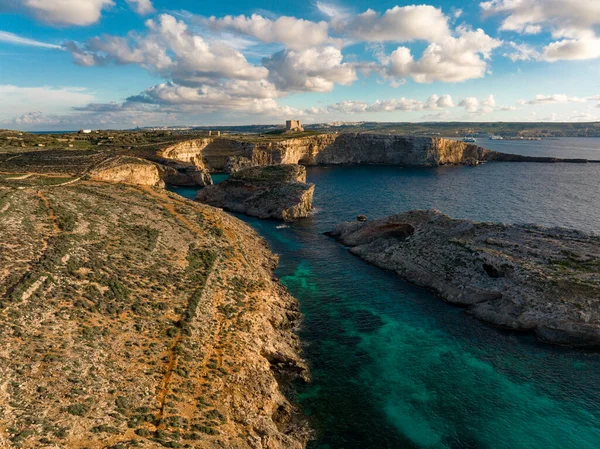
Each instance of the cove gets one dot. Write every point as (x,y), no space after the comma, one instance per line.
(395,367)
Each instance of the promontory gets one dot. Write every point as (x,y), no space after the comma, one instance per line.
(521,277)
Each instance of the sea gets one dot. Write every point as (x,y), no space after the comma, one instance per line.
(395,367)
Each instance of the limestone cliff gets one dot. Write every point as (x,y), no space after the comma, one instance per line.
(279,192)
(128,170)
(522,277)
(230,154)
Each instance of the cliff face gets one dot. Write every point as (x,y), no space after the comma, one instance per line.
(522,277)
(397,150)
(223,153)
(130,317)
(278,192)
(128,170)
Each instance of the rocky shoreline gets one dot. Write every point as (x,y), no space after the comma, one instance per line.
(520,277)
(279,192)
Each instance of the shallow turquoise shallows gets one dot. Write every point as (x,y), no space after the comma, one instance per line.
(395,367)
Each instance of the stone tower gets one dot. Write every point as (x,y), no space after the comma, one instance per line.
(293,126)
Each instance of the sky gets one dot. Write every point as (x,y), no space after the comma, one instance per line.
(70,64)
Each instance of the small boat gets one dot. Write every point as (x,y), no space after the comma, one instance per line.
(494,137)
(469,139)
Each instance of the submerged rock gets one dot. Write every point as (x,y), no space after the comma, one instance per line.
(279,192)
(522,277)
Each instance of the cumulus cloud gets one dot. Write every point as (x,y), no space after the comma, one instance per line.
(433,103)
(12,38)
(142,7)
(474,106)
(313,69)
(399,24)
(454,59)
(170,49)
(556,98)
(61,12)
(565,18)
(572,49)
(574,23)
(238,95)
(294,33)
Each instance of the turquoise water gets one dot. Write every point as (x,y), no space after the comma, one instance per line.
(394,367)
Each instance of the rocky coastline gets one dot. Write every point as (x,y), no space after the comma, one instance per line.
(278,192)
(520,277)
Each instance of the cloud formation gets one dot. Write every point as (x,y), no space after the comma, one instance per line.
(398,24)
(170,49)
(313,69)
(454,59)
(474,106)
(573,23)
(12,38)
(142,7)
(295,34)
(61,12)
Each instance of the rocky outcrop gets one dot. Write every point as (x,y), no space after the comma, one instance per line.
(279,192)
(185,175)
(522,277)
(128,170)
(136,171)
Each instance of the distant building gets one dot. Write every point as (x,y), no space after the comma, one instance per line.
(85,131)
(293,126)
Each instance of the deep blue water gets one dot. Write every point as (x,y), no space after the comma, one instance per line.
(394,367)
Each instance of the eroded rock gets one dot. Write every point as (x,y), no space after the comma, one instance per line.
(522,277)
(279,192)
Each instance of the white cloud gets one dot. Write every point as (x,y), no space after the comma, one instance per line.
(399,24)
(572,49)
(455,59)
(313,69)
(565,18)
(170,49)
(522,52)
(61,12)
(433,103)
(12,38)
(573,22)
(474,106)
(556,98)
(142,7)
(292,32)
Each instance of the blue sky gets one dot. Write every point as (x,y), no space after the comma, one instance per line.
(124,63)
